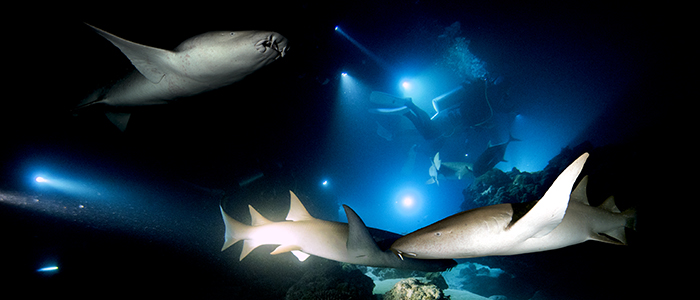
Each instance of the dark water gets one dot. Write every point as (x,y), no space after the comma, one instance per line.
(137,212)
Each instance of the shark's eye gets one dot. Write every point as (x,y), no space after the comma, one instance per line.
(438,233)
(232,33)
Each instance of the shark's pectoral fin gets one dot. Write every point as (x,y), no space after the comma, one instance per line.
(360,242)
(284,249)
(301,256)
(149,61)
(550,210)
(119,119)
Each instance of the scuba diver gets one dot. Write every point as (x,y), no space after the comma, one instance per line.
(468,105)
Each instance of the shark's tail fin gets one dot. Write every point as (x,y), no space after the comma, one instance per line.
(234,231)
(512,139)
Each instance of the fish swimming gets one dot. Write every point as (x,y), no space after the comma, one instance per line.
(202,63)
(491,157)
(447,169)
(434,169)
(555,221)
(304,235)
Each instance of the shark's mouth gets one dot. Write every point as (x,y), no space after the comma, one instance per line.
(274,42)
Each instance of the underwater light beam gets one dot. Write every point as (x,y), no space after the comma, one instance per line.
(364,50)
(48,269)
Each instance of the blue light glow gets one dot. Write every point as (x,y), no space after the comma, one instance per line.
(47,182)
(408,201)
(344,74)
(364,49)
(48,269)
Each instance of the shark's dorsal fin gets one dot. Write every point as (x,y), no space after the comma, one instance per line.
(256,219)
(549,211)
(360,242)
(579,193)
(609,205)
(147,60)
(297,211)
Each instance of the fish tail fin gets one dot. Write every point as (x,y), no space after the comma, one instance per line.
(630,215)
(512,139)
(234,231)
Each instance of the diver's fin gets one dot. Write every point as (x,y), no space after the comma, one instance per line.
(387,100)
(119,119)
(396,111)
(550,210)
(147,60)
(297,211)
(360,242)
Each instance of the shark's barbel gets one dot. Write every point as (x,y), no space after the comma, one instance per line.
(202,63)
(507,229)
(304,235)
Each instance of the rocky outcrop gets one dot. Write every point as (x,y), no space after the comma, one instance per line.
(414,289)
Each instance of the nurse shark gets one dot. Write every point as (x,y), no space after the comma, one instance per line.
(202,63)
(303,235)
(555,221)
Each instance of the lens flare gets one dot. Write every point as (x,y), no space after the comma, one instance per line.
(407,202)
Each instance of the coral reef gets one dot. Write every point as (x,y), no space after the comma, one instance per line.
(414,289)
(332,282)
(496,186)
